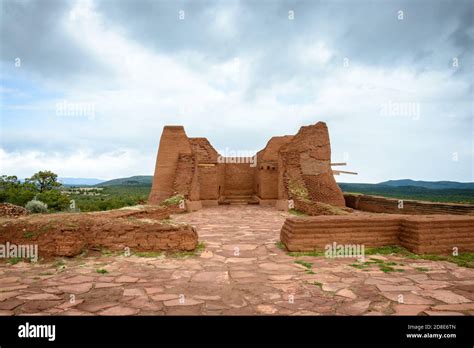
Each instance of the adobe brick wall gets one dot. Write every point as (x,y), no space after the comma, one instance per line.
(70,234)
(390,205)
(306,160)
(208,183)
(185,168)
(239,179)
(424,234)
(266,181)
(173,142)
(314,233)
(190,166)
(419,234)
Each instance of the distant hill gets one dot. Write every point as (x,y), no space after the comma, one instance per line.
(409,189)
(79,181)
(138,180)
(433,185)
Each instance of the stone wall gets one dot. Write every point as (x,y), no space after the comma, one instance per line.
(266,181)
(425,234)
(305,161)
(190,166)
(208,183)
(173,142)
(184,174)
(420,233)
(69,234)
(239,179)
(377,204)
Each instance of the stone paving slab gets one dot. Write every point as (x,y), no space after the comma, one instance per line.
(241,271)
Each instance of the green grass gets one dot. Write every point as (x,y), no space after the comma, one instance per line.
(60,264)
(107,252)
(112,197)
(148,253)
(280,245)
(318,284)
(387,250)
(387,269)
(307,265)
(360,265)
(200,247)
(422,269)
(28,235)
(314,253)
(384,266)
(184,254)
(14,260)
(102,271)
(297,212)
(463,259)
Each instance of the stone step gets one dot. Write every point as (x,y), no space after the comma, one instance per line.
(238,200)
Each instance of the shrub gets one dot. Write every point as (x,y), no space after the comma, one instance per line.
(36,206)
(54,199)
(298,190)
(174,200)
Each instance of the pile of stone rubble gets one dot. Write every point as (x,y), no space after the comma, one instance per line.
(11,210)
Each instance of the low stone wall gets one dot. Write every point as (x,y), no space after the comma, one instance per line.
(378,204)
(425,234)
(419,234)
(143,229)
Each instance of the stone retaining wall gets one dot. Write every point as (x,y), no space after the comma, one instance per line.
(377,204)
(69,234)
(419,234)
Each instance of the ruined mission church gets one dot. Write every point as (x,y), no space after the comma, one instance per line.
(287,164)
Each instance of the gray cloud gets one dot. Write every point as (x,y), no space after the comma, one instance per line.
(31,31)
(257,103)
(367,32)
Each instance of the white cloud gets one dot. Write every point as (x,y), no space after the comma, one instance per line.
(316,53)
(110,165)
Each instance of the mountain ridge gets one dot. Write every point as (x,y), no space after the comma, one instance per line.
(436,185)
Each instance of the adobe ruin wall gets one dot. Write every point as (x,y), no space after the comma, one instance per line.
(420,234)
(377,204)
(193,168)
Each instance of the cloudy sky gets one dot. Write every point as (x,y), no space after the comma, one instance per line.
(87,86)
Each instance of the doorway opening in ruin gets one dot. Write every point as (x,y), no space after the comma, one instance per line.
(239,184)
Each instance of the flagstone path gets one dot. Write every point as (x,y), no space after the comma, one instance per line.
(240,271)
